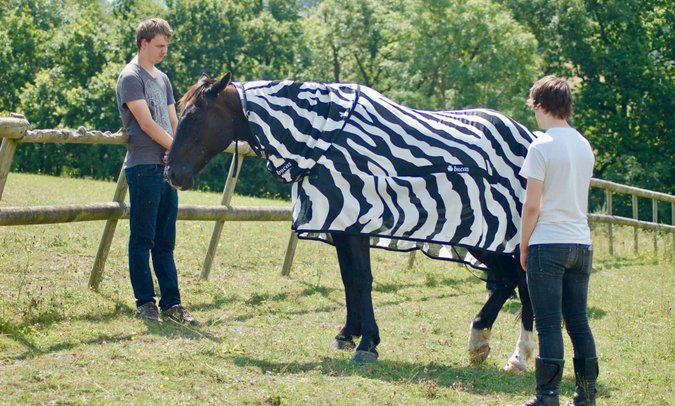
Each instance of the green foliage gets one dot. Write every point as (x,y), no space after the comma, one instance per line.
(206,38)
(351,41)
(59,61)
(467,53)
(25,26)
(620,56)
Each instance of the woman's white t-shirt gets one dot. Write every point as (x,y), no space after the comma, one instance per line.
(563,159)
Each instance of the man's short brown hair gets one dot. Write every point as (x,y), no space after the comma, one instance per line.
(148,29)
(553,95)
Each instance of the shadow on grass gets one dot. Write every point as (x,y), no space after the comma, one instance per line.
(22,332)
(311,290)
(18,333)
(392,287)
(49,316)
(481,379)
(32,349)
(257,304)
(172,329)
(253,311)
(596,313)
(333,294)
(617,262)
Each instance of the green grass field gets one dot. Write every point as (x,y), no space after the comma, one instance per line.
(265,339)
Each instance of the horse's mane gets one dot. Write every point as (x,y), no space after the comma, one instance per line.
(195,94)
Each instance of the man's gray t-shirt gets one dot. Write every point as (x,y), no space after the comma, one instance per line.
(135,83)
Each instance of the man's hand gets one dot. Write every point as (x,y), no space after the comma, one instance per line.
(523,257)
(165,158)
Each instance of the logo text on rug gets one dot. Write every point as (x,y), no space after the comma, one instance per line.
(458,169)
(284,168)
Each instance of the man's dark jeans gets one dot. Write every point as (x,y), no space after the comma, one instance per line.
(154,207)
(557,279)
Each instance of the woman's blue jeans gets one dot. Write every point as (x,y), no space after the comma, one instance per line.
(557,279)
(152,223)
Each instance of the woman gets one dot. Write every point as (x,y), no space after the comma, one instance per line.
(555,248)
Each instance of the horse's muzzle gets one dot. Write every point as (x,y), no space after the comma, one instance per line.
(178,179)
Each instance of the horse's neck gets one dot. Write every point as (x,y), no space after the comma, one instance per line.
(242,132)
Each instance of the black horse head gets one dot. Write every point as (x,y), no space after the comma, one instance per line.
(211,118)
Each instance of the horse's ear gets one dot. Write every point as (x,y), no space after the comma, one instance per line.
(226,79)
(219,86)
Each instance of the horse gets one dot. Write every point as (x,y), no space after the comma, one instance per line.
(393,211)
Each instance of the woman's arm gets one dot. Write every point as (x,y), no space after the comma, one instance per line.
(531,208)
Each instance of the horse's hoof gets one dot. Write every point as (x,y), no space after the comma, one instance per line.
(515,365)
(480,354)
(343,344)
(364,357)
(479,344)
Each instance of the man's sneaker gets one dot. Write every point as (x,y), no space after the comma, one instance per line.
(149,311)
(180,314)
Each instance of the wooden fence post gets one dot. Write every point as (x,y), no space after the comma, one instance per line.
(635,229)
(655,219)
(411,259)
(608,193)
(12,129)
(107,236)
(7,150)
(228,191)
(290,254)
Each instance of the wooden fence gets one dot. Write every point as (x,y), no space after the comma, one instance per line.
(656,197)
(15,129)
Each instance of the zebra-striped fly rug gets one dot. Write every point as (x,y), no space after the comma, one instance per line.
(411,179)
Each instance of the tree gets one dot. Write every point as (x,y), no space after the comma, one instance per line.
(619,55)
(466,53)
(24,27)
(59,61)
(252,39)
(65,92)
(350,41)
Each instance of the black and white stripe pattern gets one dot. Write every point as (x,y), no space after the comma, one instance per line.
(411,179)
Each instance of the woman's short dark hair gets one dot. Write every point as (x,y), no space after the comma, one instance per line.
(553,95)
(148,29)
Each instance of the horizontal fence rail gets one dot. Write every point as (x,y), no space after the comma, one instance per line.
(610,187)
(624,221)
(15,216)
(631,190)
(609,219)
(16,129)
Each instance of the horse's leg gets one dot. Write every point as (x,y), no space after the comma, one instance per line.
(481,326)
(354,258)
(503,280)
(519,360)
(344,340)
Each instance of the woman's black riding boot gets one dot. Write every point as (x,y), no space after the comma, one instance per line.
(548,374)
(586,373)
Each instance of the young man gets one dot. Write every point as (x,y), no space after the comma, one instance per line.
(555,244)
(147,108)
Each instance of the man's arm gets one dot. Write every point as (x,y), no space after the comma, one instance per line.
(173,118)
(139,108)
(531,208)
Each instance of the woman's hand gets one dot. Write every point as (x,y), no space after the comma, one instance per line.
(523,257)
